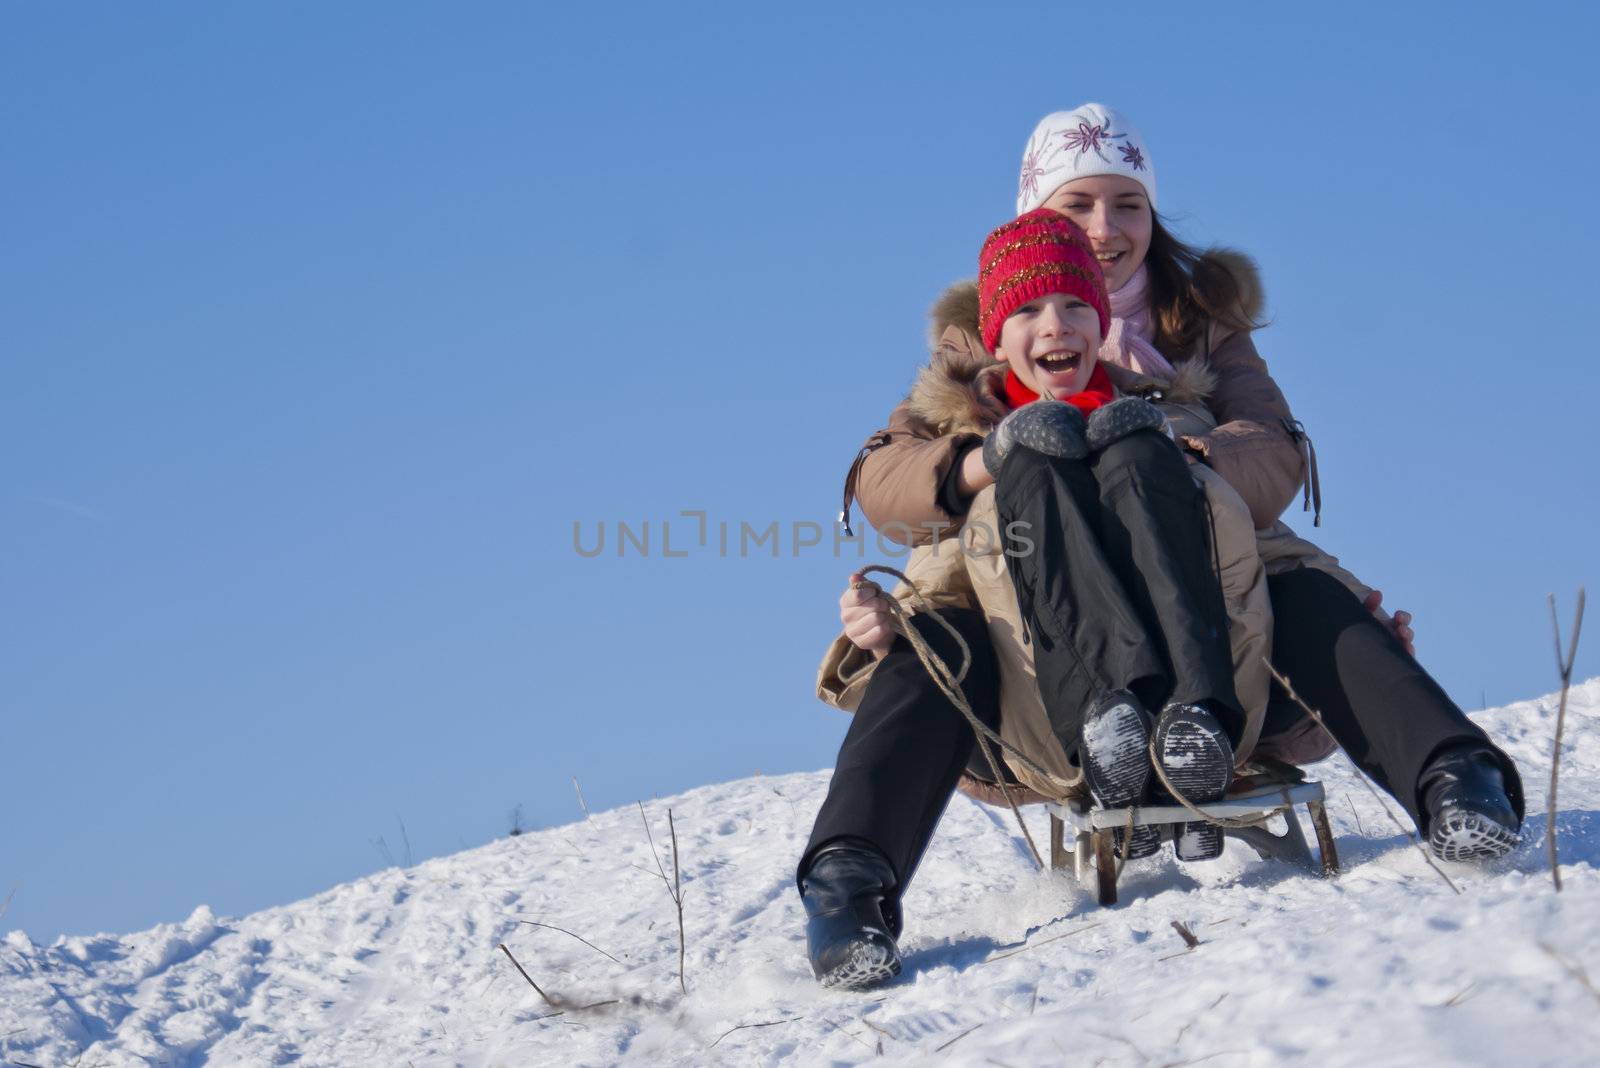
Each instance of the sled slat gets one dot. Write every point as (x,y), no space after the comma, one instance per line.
(1258,802)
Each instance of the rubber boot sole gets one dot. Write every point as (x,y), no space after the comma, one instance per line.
(867,963)
(1116,763)
(1198,761)
(1468,836)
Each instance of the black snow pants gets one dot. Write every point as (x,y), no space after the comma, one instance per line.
(1110,557)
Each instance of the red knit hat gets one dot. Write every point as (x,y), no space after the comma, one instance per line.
(1032,255)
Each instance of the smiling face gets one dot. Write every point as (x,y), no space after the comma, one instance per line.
(1052,344)
(1115,212)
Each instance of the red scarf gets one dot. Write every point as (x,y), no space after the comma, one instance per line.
(1100,391)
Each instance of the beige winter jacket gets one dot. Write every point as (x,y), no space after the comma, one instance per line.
(955,401)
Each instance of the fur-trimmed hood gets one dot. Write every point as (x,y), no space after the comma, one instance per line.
(960,388)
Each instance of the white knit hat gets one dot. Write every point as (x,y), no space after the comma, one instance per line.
(1088,140)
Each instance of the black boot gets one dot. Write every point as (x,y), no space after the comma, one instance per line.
(854,919)
(1115,751)
(1197,756)
(1469,814)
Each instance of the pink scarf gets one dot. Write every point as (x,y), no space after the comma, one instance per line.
(1129,343)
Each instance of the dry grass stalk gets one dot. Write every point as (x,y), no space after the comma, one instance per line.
(1373,790)
(1565,668)
(1185,1028)
(406,839)
(677,899)
(1143,1056)
(560,1004)
(851,1035)
(674,884)
(575,1008)
(1207,1057)
(882,1034)
(1036,945)
(741,1027)
(1572,968)
(1362,831)
(581,802)
(579,937)
(1187,935)
(959,1037)
(548,1000)
(653,854)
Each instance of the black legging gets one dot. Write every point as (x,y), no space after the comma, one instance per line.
(907,746)
(1386,712)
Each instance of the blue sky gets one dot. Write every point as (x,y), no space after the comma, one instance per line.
(323,324)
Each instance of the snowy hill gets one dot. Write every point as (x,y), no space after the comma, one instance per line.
(1383,966)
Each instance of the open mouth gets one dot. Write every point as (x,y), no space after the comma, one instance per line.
(1060,363)
(1108,259)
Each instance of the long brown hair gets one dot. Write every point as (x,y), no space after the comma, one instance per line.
(1189,290)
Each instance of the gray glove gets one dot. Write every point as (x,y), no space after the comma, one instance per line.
(1051,427)
(1122,417)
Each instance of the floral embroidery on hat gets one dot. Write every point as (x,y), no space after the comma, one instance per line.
(1132,156)
(1032,170)
(1087,138)
(1028,185)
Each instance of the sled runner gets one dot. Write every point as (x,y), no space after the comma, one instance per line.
(1094,861)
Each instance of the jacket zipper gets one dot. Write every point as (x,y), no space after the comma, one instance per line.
(1311,488)
(878,440)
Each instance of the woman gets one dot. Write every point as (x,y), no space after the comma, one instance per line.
(1175,311)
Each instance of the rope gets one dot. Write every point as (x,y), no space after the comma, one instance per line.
(950,684)
(1221,821)
(936,666)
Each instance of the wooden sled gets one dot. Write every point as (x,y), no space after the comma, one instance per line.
(1094,861)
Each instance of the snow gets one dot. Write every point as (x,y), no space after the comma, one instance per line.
(1114,734)
(1383,966)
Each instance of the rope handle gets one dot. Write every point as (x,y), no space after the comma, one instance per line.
(942,674)
(949,684)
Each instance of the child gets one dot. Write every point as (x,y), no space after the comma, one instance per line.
(1118,590)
